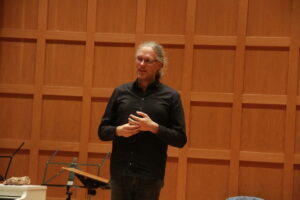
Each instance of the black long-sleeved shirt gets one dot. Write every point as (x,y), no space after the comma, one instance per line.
(144,154)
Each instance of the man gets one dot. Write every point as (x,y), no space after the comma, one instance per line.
(142,118)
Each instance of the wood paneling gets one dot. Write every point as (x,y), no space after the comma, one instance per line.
(235,63)
(64,64)
(116,16)
(170,184)
(266,71)
(297,138)
(205,177)
(20,14)
(17,61)
(113,65)
(275,22)
(61,119)
(98,107)
(15,116)
(210,15)
(213,69)
(210,126)
(261,180)
(263,128)
(173,70)
(296,182)
(165,17)
(298,60)
(67,15)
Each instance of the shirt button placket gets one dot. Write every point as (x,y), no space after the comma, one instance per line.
(131,159)
(142,104)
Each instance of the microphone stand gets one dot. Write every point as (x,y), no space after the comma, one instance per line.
(71,179)
(68,193)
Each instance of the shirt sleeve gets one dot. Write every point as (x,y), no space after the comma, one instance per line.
(175,133)
(107,129)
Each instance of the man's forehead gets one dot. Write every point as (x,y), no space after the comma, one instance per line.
(146,51)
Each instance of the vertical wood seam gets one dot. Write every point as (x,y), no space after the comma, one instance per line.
(38,98)
(237,101)
(87,86)
(291,104)
(186,96)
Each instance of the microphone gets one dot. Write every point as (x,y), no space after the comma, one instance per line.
(71,174)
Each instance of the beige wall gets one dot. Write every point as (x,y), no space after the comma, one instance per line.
(235,62)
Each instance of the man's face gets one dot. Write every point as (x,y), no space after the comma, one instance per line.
(146,64)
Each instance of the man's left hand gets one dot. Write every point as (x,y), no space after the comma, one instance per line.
(143,121)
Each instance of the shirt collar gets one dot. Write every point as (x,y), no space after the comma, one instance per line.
(154,84)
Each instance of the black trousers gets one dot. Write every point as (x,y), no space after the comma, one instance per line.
(134,188)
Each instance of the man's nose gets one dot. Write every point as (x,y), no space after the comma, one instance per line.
(142,62)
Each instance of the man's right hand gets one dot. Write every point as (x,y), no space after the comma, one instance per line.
(127,130)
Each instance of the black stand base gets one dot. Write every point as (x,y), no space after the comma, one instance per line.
(91,192)
(68,193)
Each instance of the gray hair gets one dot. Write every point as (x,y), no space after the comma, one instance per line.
(160,56)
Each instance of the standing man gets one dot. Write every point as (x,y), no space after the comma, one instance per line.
(142,118)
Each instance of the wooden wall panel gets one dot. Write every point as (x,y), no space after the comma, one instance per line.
(116,16)
(261,180)
(113,65)
(213,69)
(170,184)
(210,126)
(97,110)
(275,22)
(205,177)
(173,71)
(61,119)
(67,15)
(215,17)
(64,64)
(298,75)
(19,14)
(297,134)
(165,17)
(263,128)
(15,116)
(17,61)
(235,63)
(266,71)
(296,194)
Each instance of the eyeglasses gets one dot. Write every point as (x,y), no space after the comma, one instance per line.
(145,60)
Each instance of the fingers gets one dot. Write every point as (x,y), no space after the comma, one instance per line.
(135,124)
(127,130)
(131,126)
(142,114)
(134,118)
(132,122)
(138,119)
(130,133)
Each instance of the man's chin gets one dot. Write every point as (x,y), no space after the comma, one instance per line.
(141,77)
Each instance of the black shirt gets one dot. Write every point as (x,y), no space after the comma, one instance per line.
(144,154)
